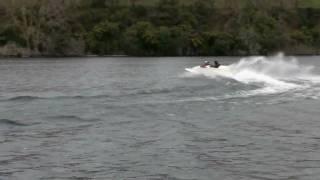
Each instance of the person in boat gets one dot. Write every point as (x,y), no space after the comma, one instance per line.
(216,64)
(208,64)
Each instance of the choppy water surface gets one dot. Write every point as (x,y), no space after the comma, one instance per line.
(146,118)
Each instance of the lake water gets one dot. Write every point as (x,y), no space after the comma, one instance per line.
(147,118)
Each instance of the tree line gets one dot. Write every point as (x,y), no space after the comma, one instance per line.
(167,28)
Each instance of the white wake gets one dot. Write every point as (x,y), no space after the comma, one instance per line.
(274,74)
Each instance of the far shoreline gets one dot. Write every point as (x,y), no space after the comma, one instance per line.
(130,56)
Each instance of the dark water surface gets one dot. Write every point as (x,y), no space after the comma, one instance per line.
(144,118)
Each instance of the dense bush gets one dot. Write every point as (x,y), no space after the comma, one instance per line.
(160,28)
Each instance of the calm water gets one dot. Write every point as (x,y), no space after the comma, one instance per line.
(145,118)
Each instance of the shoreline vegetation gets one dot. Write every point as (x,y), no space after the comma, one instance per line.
(153,56)
(113,28)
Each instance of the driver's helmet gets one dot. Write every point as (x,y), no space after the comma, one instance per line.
(206,62)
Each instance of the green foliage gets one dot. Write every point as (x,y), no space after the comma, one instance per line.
(270,35)
(165,11)
(159,27)
(220,43)
(103,39)
(11,33)
(202,11)
(141,39)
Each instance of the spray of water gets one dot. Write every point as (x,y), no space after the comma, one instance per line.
(272,74)
(276,67)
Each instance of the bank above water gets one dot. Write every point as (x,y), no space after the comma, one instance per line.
(162,28)
(314,53)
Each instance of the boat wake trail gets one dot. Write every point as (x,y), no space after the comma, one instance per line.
(271,75)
